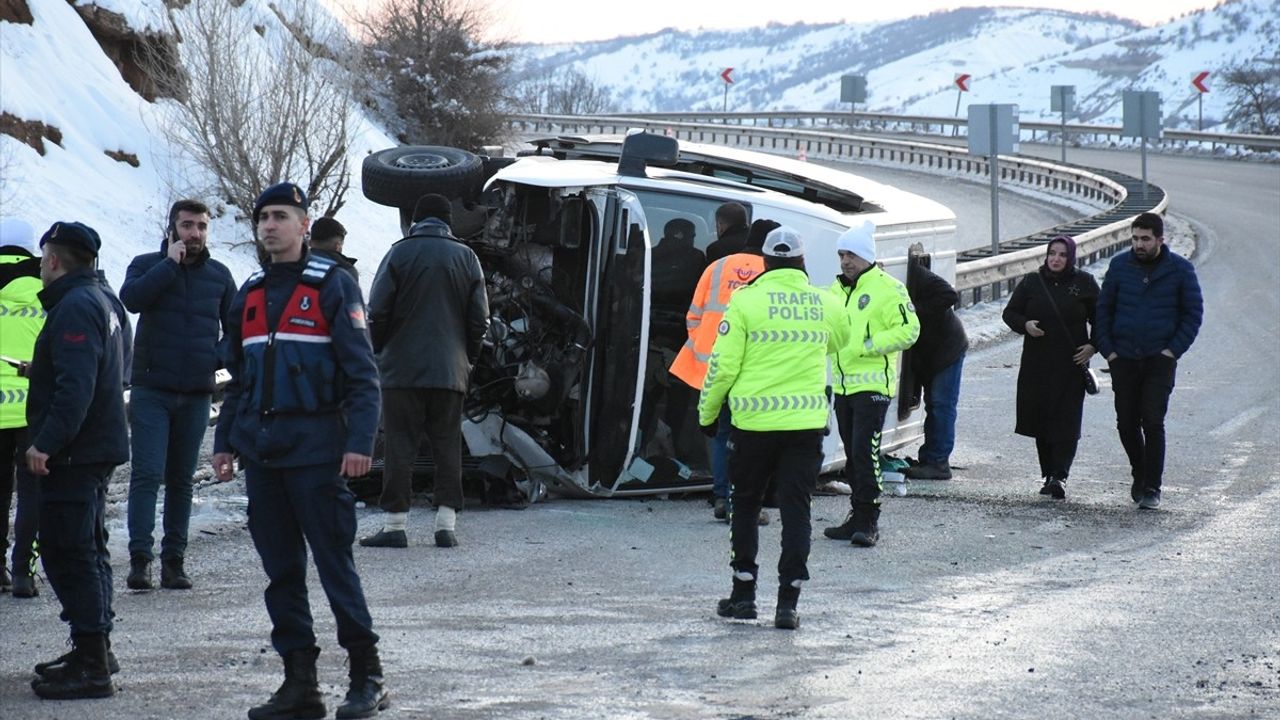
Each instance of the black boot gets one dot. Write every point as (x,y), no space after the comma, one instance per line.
(172,575)
(85,674)
(741,603)
(786,617)
(367,695)
(54,668)
(139,573)
(866,529)
(299,695)
(844,530)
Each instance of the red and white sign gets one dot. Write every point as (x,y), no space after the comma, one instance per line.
(1198,79)
(726,76)
(962,81)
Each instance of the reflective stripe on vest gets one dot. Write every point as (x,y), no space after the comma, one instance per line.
(777,402)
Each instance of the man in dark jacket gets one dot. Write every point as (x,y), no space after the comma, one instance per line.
(76,419)
(301,411)
(731,232)
(936,361)
(428,314)
(1149,313)
(327,238)
(182,296)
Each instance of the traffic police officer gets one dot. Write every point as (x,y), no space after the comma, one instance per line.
(865,371)
(301,411)
(76,420)
(770,364)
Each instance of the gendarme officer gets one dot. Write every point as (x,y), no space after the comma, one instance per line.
(301,411)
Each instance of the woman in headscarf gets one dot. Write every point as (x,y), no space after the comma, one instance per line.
(1053,308)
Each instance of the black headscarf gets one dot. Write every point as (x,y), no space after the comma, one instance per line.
(1070,267)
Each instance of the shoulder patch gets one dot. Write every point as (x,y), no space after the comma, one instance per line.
(723,329)
(355,313)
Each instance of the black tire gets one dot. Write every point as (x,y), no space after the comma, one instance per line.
(397,177)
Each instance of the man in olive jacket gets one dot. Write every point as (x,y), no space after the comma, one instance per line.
(428,314)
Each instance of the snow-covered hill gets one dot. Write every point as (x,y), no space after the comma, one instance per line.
(1013,55)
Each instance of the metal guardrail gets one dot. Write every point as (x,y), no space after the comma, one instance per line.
(980,275)
(854,121)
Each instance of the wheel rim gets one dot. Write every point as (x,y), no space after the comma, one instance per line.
(422,161)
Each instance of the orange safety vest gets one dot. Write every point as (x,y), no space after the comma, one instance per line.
(710,300)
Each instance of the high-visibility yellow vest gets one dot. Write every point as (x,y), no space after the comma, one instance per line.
(770,359)
(710,299)
(21,317)
(883,323)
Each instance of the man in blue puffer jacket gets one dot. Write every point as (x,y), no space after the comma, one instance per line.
(182,297)
(1148,315)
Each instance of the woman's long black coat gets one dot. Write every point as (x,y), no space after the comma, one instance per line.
(1050,385)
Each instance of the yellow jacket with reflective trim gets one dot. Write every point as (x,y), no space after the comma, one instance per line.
(710,299)
(21,317)
(883,323)
(770,359)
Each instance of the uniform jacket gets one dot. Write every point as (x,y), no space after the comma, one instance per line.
(75,411)
(942,338)
(770,361)
(21,317)
(304,385)
(1146,308)
(883,322)
(1050,400)
(428,311)
(710,299)
(182,313)
(126,334)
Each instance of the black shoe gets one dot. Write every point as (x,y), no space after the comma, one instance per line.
(139,573)
(1044,489)
(172,576)
(24,586)
(299,695)
(928,471)
(6,582)
(84,675)
(1057,488)
(867,537)
(58,665)
(386,538)
(1150,500)
(786,617)
(445,539)
(741,603)
(367,695)
(1136,491)
(720,509)
(843,531)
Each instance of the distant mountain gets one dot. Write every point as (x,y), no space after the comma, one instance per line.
(1013,55)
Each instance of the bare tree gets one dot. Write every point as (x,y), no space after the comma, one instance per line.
(259,104)
(444,82)
(568,91)
(1255,89)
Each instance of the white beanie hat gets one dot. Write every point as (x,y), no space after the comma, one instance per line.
(783,242)
(14,231)
(859,240)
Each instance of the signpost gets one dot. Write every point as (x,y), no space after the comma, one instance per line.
(962,82)
(993,129)
(727,76)
(1142,120)
(1062,99)
(1197,81)
(853,90)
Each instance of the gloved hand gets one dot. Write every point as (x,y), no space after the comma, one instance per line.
(710,430)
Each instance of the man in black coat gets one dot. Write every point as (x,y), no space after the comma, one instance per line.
(428,315)
(327,238)
(937,360)
(76,419)
(731,232)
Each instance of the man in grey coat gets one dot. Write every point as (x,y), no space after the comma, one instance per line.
(428,314)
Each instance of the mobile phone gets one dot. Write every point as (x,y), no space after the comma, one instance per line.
(11,361)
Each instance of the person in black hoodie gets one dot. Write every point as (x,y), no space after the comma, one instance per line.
(936,361)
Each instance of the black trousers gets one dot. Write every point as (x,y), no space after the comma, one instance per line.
(406,413)
(794,459)
(26,519)
(1056,457)
(291,509)
(1142,390)
(73,544)
(860,420)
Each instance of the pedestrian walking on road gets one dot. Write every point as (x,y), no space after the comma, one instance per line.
(769,365)
(1149,314)
(1054,308)
(182,296)
(937,361)
(301,410)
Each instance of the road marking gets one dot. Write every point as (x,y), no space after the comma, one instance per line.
(1231,426)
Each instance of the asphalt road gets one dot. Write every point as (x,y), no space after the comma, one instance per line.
(984,600)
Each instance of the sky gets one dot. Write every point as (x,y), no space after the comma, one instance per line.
(545,21)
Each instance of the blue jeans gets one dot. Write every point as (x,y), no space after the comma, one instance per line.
(720,454)
(941,395)
(167,429)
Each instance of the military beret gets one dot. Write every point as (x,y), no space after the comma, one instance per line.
(73,234)
(285,193)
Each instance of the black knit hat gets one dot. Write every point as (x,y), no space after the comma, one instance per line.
(433,205)
(73,234)
(285,193)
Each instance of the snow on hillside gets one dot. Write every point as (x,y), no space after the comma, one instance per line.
(54,72)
